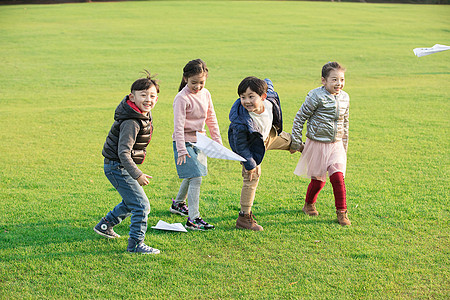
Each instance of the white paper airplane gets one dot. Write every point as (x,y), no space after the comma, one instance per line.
(215,150)
(426,51)
(161,225)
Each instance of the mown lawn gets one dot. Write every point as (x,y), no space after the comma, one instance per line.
(65,67)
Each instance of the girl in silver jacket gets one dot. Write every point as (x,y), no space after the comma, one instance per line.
(325,150)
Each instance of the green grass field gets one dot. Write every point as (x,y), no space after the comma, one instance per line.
(63,70)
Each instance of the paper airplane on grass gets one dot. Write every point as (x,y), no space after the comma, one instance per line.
(426,51)
(161,225)
(215,150)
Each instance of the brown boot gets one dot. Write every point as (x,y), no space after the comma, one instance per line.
(343,218)
(310,209)
(246,221)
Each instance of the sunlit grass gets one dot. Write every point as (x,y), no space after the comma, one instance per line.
(65,68)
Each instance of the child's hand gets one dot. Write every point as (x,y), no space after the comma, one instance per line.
(251,173)
(182,159)
(302,146)
(300,149)
(144,179)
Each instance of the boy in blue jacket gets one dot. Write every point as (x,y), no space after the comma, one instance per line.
(256,126)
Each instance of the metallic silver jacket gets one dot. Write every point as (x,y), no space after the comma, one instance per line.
(327,117)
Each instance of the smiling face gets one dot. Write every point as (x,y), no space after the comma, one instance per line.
(335,81)
(197,82)
(252,101)
(145,100)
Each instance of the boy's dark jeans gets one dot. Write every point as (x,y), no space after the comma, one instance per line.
(134,201)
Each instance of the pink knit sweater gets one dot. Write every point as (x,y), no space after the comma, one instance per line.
(191,112)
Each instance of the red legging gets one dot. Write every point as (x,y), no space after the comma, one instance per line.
(337,181)
(313,191)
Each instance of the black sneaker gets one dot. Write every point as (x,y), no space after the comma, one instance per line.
(104,228)
(179,208)
(140,247)
(198,224)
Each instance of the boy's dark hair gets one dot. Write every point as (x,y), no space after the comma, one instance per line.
(328,67)
(145,83)
(192,68)
(255,84)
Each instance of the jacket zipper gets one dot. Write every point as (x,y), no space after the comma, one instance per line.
(336,118)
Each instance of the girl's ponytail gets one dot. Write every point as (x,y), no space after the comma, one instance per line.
(182,84)
(192,68)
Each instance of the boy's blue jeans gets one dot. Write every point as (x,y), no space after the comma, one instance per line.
(134,201)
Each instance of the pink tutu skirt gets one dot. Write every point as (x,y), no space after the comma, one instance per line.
(319,158)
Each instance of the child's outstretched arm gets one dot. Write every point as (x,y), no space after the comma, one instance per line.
(304,113)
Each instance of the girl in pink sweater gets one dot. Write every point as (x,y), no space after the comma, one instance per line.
(192,109)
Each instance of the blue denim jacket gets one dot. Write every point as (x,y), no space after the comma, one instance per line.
(243,136)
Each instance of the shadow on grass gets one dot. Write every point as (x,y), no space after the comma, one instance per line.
(226,220)
(45,233)
(296,216)
(60,237)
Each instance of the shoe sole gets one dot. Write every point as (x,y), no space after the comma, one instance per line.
(144,253)
(198,229)
(245,228)
(193,228)
(312,215)
(105,235)
(344,224)
(177,212)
